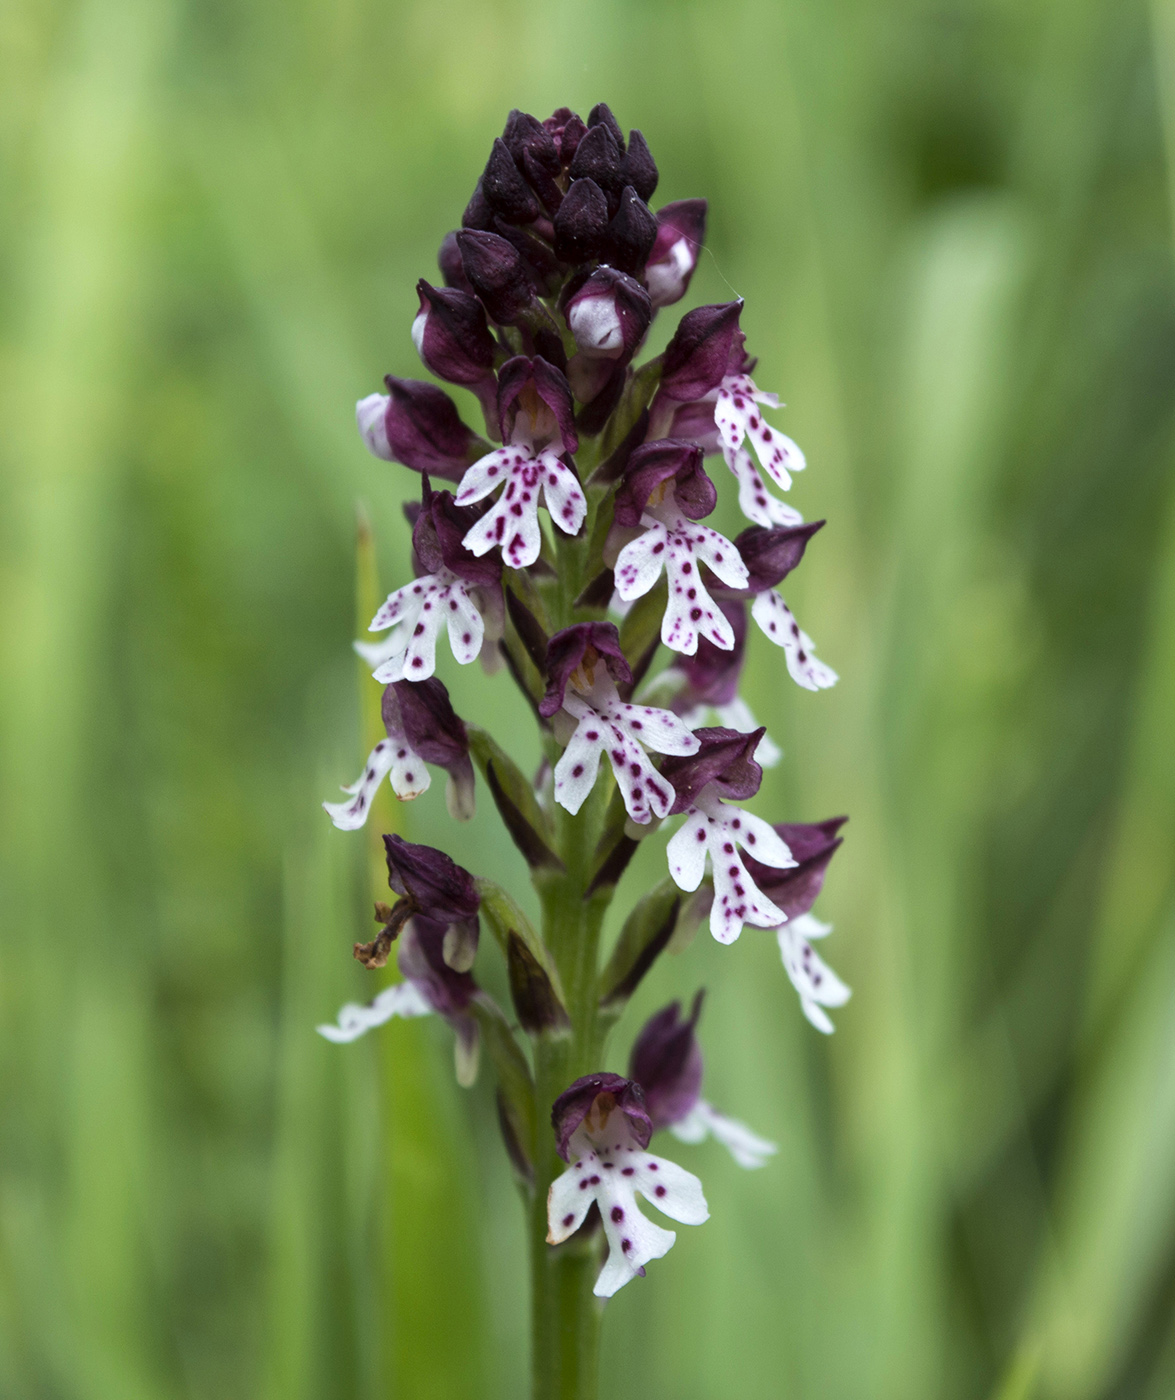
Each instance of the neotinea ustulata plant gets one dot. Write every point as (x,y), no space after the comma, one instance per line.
(551,285)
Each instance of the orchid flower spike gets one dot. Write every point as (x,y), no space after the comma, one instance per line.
(723,768)
(584,666)
(535,407)
(667,1063)
(602,1129)
(458,591)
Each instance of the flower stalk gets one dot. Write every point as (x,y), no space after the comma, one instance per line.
(571,553)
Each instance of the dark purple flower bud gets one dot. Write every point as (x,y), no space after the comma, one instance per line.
(506,192)
(567,131)
(438,540)
(585,644)
(712,675)
(534,403)
(418,425)
(638,167)
(609,315)
(593,1098)
(526,133)
(437,733)
(436,885)
(601,115)
(451,335)
(497,274)
(771,554)
(667,1063)
(598,157)
(630,236)
(479,213)
(449,262)
(726,759)
(581,222)
(651,468)
(696,358)
(542,266)
(795,889)
(681,231)
(536,156)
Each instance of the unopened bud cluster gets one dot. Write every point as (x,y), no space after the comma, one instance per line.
(572,548)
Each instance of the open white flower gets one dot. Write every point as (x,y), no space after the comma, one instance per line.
(610,1168)
(606,724)
(680,546)
(513,521)
(717,829)
(416,613)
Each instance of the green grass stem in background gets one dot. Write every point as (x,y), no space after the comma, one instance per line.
(952,222)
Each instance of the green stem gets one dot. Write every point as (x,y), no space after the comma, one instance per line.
(565,1315)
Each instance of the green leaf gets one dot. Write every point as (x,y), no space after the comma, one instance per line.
(645,934)
(515,1082)
(515,800)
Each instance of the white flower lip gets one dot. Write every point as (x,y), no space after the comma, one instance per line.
(416,613)
(513,523)
(610,1170)
(818,986)
(606,724)
(679,545)
(716,829)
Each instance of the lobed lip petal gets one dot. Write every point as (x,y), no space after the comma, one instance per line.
(818,986)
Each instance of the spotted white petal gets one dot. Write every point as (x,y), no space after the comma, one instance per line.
(562,493)
(738,415)
(576,771)
(754,500)
(512,523)
(687,851)
(818,986)
(486,474)
(349,816)
(747,1148)
(404,999)
(632,1243)
(775,618)
(466,627)
(639,564)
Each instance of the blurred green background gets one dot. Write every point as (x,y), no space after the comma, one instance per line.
(951,222)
